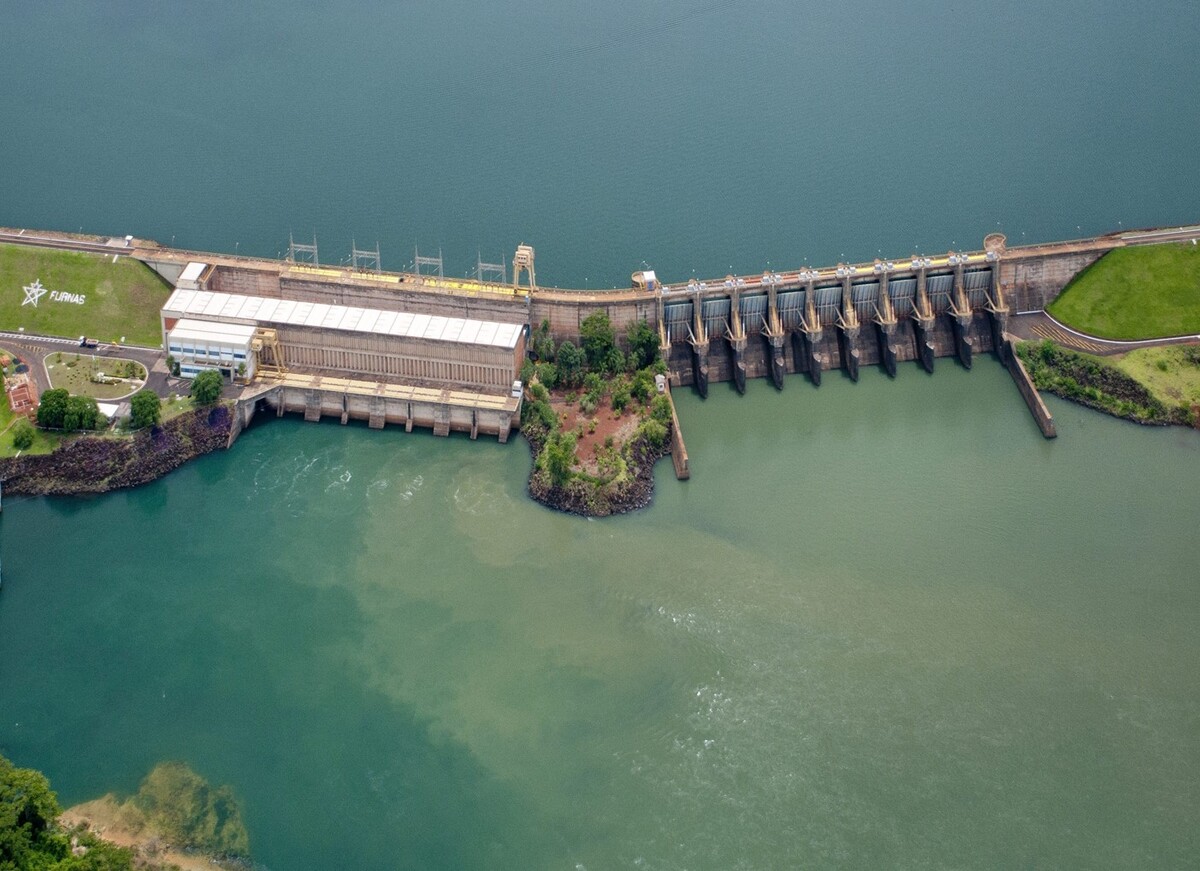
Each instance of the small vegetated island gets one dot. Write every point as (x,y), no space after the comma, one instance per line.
(1130,294)
(596,418)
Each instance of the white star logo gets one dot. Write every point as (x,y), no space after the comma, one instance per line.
(33,292)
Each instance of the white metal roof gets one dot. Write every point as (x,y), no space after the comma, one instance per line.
(230,308)
(192,271)
(212,332)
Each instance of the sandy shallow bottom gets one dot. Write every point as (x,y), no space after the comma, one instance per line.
(110,821)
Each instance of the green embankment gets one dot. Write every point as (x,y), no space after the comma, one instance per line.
(1145,292)
(120,299)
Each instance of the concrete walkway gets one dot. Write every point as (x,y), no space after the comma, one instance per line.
(1035,326)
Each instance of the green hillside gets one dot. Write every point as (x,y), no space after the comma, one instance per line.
(1145,292)
(118,299)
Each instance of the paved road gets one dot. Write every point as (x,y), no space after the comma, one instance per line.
(34,349)
(1039,325)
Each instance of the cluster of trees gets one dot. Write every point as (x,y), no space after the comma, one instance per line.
(31,837)
(568,364)
(58,409)
(1091,382)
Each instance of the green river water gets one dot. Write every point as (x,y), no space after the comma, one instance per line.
(885,624)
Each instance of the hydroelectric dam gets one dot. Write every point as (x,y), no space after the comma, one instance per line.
(418,348)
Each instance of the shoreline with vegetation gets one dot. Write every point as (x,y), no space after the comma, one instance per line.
(1172,399)
(176,821)
(92,464)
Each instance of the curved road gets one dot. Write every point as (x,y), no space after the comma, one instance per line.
(34,349)
(1036,326)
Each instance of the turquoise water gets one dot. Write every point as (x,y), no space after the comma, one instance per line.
(692,134)
(885,624)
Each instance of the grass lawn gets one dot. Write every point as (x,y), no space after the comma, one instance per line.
(1171,373)
(75,372)
(175,405)
(1145,292)
(120,299)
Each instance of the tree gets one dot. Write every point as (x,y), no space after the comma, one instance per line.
(145,409)
(82,414)
(654,432)
(22,434)
(570,362)
(547,373)
(28,810)
(542,345)
(52,407)
(560,456)
(598,339)
(614,361)
(620,397)
(206,387)
(643,344)
(30,836)
(660,409)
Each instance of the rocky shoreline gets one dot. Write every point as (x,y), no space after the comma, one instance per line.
(585,498)
(99,464)
(89,465)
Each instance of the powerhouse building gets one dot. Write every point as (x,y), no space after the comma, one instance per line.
(239,335)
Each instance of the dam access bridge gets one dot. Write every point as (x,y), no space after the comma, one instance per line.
(405,347)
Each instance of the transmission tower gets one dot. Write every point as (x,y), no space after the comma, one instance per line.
(365,259)
(297,252)
(496,272)
(419,261)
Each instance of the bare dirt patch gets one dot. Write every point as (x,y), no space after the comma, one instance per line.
(608,425)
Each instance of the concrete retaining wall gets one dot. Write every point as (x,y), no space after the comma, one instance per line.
(566,315)
(1029,393)
(1032,283)
(679,454)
